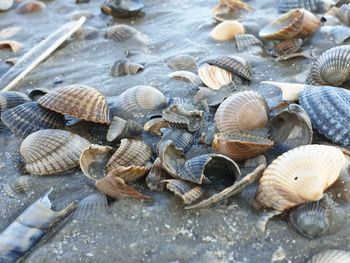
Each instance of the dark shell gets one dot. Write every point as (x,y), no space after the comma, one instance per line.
(122,8)
(10,99)
(120,129)
(91,206)
(247,41)
(182,139)
(124,67)
(31,117)
(35,94)
(186,191)
(120,33)
(287,5)
(182,62)
(331,256)
(86,33)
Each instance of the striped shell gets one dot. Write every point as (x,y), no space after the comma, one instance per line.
(79,101)
(86,33)
(122,8)
(120,129)
(121,33)
(328,109)
(230,10)
(15,46)
(130,173)
(242,111)
(51,151)
(30,6)
(31,117)
(123,67)
(286,47)
(186,191)
(156,175)
(186,76)
(19,185)
(287,5)
(10,99)
(300,176)
(91,206)
(297,23)
(182,139)
(227,30)
(215,77)
(331,256)
(182,62)
(331,68)
(247,41)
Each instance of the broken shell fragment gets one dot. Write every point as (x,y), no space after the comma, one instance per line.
(247,41)
(120,129)
(290,91)
(123,67)
(182,139)
(15,46)
(122,8)
(30,6)
(285,47)
(121,33)
(186,76)
(212,97)
(227,30)
(35,94)
(11,99)
(155,125)
(182,62)
(130,173)
(155,177)
(230,10)
(19,185)
(215,77)
(287,5)
(188,192)
(334,256)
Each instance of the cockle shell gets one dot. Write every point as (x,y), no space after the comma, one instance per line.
(297,23)
(19,185)
(331,68)
(15,46)
(241,112)
(79,101)
(120,129)
(188,192)
(10,99)
(91,206)
(31,117)
(299,176)
(182,62)
(123,67)
(154,126)
(328,256)
(230,10)
(287,5)
(247,41)
(215,77)
(51,151)
(30,6)
(86,33)
(121,33)
(6,5)
(227,30)
(35,94)
(285,47)
(182,139)
(187,76)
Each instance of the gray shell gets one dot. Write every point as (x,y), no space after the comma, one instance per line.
(186,191)
(18,186)
(182,139)
(247,41)
(331,256)
(182,62)
(10,99)
(92,205)
(123,67)
(287,5)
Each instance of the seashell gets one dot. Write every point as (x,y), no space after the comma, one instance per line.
(212,97)
(15,46)
(234,64)
(130,173)
(334,256)
(31,226)
(286,47)
(343,14)
(227,30)
(120,129)
(186,191)
(123,67)
(121,33)
(303,54)
(155,177)
(9,32)
(230,10)
(331,68)
(180,118)
(329,112)
(19,185)
(35,94)
(130,152)
(310,220)
(247,41)
(297,23)
(76,15)
(290,128)
(93,160)
(94,132)
(91,206)
(140,98)
(299,176)
(51,151)
(30,6)
(182,62)
(79,101)
(86,33)
(242,111)
(6,5)
(11,99)
(287,5)
(11,61)
(31,117)
(290,91)
(122,8)
(215,77)
(182,139)
(186,76)
(155,125)
(241,146)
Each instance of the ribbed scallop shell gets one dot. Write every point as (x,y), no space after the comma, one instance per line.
(79,101)
(331,68)
(186,76)
(87,33)
(31,117)
(52,151)
(331,256)
(287,5)
(247,41)
(215,77)
(234,64)
(30,6)
(182,62)
(286,47)
(229,10)
(19,185)
(186,191)
(182,139)
(130,152)
(120,129)
(10,99)
(91,206)
(242,111)
(227,30)
(328,109)
(123,67)
(121,33)
(299,176)
(140,98)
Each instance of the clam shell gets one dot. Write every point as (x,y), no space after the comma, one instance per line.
(123,8)
(328,109)
(215,77)
(287,5)
(242,111)
(120,129)
(186,191)
(121,33)
(130,173)
(79,101)
(186,76)
(94,132)
(297,23)
(331,68)
(234,64)
(30,6)
(130,152)
(180,118)
(247,41)
(310,220)
(86,33)
(227,30)
(299,176)
(140,98)
(155,177)
(286,47)
(31,117)
(91,206)
(182,139)
(51,151)
(229,10)
(182,62)
(334,256)
(6,5)
(15,46)
(10,99)
(19,185)
(154,126)
(123,67)
(343,14)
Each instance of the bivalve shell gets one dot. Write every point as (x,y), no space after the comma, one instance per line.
(15,46)
(227,30)
(10,99)
(91,206)
(328,256)
(188,192)
(215,77)
(182,139)
(155,125)
(121,33)
(120,129)
(287,5)
(182,62)
(124,67)
(247,41)
(230,10)
(30,6)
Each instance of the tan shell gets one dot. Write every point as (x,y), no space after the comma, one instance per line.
(15,46)
(229,10)
(242,111)
(331,256)
(286,47)
(297,23)
(215,77)
(153,126)
(155,177)
(227,30)
(86,33)
(121,33)
(79,101)
(299,176)
(30,6)
(52,151)
(130,173)
(188,192)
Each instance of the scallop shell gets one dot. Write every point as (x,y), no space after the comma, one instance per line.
(11,99)
(215,77)
(182,62)
(51,151)
(180,118)
(227,30)
(123,67)
(186,76)
(19,185)
(86,33)
(6,5)
(287,5)
(79,101)
(310,220)
(15,46)
(247,41)
(154,126)
(91,206)
(31,117)
(331,68)
(234,64)
(182,139)
(186,191)
(140,98)
(130,152)
(299,176)
(121,33)
(120,129)
(242,111)
(230,10)
(297,23)
(286,47)
(130,173)
(30,6)
(123,8)
(328,109)
(155,177)
(334,256)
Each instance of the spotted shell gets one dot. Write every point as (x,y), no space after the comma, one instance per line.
(31,117)
(124,67)
(30,6)
(181,138)
(10,99)
(120,129)
(79,101)
(227,30)
(334,256)
(241,112)
(247,41)
(287,5)
(182,62)
(215,77)
(51,151)
(300,176)
(188,192)
(15,46)
(331,68)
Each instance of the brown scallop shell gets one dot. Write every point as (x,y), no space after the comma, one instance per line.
(15,46)
(285,47)
(121,33)
(79,101)
(188,192)
(30,6)
(215,77)
(331,256)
